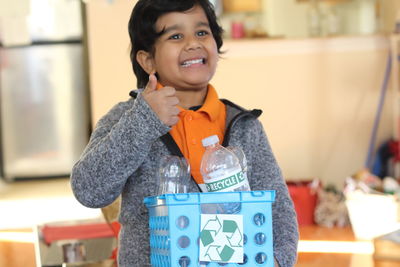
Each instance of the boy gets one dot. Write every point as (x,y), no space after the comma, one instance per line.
(175,48)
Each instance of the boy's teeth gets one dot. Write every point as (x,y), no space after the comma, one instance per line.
(190,62)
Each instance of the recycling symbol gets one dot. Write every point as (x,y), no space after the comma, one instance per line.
(221,238)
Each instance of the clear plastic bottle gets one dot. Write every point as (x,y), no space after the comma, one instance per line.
(242,159)
(222,172)
(173,175)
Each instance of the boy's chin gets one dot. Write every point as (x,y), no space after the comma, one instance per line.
(200,81)
(190,84)
(197,85)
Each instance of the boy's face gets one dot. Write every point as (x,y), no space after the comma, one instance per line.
(186,54)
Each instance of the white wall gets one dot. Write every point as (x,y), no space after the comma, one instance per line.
(319,96)
(110,71)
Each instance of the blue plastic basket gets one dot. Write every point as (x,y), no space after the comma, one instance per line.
(174,218)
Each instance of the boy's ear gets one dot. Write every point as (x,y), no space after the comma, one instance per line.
(145,60)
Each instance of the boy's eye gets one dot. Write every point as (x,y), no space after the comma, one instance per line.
(202,33)
(175,37)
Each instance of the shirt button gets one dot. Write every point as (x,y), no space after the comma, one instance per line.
(189,118)
(194,141)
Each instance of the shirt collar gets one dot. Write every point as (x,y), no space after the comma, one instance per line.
(211,104)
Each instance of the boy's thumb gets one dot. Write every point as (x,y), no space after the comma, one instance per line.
(152,84)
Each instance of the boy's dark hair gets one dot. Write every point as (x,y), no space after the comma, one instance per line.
(142,30)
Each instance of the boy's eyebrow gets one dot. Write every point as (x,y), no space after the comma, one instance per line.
(175,27)
(170,29)
(201,23)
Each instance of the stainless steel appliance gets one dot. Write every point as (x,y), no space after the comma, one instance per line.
(44,112)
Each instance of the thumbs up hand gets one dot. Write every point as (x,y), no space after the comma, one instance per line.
(163,101)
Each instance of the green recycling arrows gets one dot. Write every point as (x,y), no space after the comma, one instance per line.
(211,226)
(235,240)
(221,246)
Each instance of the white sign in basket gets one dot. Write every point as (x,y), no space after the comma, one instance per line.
(221,238)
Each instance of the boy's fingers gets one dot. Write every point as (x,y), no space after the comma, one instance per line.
(152,84)
(164,101)
(172,101)
(173,120)
(175,111)
(168,91)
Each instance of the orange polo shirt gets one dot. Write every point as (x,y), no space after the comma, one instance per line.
(194,126)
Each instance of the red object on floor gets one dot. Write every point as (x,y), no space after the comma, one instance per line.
(394,150)
(116,227)
(304,199)
(83,231)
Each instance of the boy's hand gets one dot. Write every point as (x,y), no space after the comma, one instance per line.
(163,101)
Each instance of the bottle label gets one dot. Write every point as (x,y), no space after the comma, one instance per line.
(229,182)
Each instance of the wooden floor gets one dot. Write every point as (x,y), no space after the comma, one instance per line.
(21,254)
(333,258)
(17,253)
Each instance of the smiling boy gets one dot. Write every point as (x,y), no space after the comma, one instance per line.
(185,56)
(175,50)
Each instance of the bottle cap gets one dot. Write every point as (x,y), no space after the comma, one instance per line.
(211,140)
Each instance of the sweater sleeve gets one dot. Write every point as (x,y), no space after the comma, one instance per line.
(119,144)
(265,174)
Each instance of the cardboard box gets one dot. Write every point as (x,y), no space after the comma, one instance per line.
(372,215)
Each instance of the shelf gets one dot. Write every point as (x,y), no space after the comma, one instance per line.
(242,48)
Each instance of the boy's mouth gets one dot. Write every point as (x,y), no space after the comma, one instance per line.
(191,62)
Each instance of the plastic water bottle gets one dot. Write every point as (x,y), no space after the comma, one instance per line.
(173,175)
(242,159)
(222,172)
(223,169)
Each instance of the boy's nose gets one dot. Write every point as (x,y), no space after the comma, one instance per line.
(193,44)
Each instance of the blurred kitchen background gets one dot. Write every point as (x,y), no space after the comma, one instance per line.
(324,72)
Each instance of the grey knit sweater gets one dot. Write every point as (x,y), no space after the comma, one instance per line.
(121,159)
